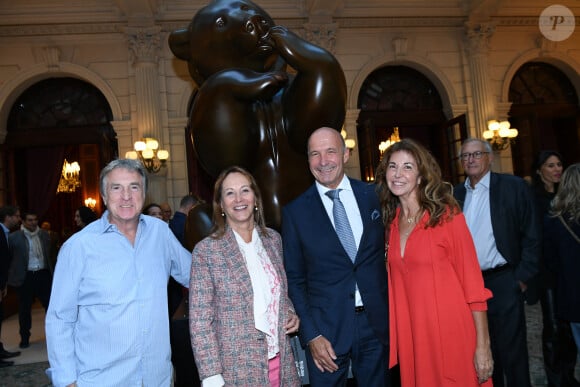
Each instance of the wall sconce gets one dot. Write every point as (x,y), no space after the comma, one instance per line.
(392,139)
(499,134)
(91,203)
(69,178)
(349,142)
(147,151)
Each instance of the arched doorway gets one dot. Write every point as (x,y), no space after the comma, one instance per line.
(54,119)
(545,111)
(402,97)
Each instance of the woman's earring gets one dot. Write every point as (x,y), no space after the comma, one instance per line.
(255,208)
(223,215)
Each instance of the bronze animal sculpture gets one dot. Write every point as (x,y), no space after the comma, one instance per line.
(248,109)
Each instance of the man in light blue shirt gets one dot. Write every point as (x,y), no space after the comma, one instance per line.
(107,323)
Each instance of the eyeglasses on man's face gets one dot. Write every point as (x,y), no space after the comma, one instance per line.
(476,155)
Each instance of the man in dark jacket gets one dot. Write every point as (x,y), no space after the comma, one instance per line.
(9,218)
(500,214)
(30,270)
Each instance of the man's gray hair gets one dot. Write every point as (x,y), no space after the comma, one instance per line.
(128,164)
(486,144)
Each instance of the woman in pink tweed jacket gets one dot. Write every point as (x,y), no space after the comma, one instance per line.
(239,311)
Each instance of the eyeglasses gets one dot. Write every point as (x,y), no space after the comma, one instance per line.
(476,155)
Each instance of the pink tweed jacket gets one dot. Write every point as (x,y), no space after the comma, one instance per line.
(221,318)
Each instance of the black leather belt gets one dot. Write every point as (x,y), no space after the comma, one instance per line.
(495,270)
(359,309)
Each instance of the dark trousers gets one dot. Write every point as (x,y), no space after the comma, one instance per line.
(369,359)
(36,285)
(1,318)
(182,355)
(507,331)
(558,346)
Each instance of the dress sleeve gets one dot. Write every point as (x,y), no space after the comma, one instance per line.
(466,265)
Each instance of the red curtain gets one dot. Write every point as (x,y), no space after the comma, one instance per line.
(43,170)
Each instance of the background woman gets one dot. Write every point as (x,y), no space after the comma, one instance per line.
(562,247)
(83,216)
(240,313)
(154,210)
(438,320)
(558,345)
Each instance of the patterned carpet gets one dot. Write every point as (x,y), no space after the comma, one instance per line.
(32,375)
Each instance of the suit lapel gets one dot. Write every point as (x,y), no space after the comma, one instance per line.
(316,211)
(364,207)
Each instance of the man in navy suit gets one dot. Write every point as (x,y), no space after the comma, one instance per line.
(341,301)
(9,218)
(500,213)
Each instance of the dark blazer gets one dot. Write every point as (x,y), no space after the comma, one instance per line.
(514,221)
(562,256)
(19,248)
(321,276)
(4,259)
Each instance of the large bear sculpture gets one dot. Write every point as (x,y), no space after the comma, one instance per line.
(261,91)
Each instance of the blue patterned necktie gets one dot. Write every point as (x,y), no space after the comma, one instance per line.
(342,225)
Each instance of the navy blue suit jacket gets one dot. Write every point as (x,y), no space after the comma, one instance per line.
(516,227)
(4,259)
(321,276)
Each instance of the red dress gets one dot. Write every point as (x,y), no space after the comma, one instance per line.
(433,290)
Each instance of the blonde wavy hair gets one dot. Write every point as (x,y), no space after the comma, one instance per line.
(567,200)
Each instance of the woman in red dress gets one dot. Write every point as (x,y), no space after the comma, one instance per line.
(438,303)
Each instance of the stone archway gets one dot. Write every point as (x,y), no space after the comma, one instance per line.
(400,96)
(58,118)
(544,109)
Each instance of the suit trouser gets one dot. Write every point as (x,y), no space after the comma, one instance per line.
(182,355)
(1,318)
(369,359)
(37,284)
(507,330)
(558,345)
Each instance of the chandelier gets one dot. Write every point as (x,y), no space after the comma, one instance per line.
(393,139)
(147,151)
(91,203)
(69,178)
(499,134)
(349,142)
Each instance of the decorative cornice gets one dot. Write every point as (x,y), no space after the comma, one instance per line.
(25,30)
(323,35)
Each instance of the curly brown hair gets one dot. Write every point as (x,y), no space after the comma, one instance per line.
(435,195)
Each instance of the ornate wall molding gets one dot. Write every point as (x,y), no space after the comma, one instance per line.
(144,43)
(323,35)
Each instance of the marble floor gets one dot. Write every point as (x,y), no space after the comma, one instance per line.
(29,367)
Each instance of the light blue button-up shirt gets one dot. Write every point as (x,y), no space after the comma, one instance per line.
(107,323)
(477,212)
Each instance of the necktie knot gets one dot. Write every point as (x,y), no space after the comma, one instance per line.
(333,194)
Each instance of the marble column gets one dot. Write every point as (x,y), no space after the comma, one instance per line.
(144,45)
(477,39)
